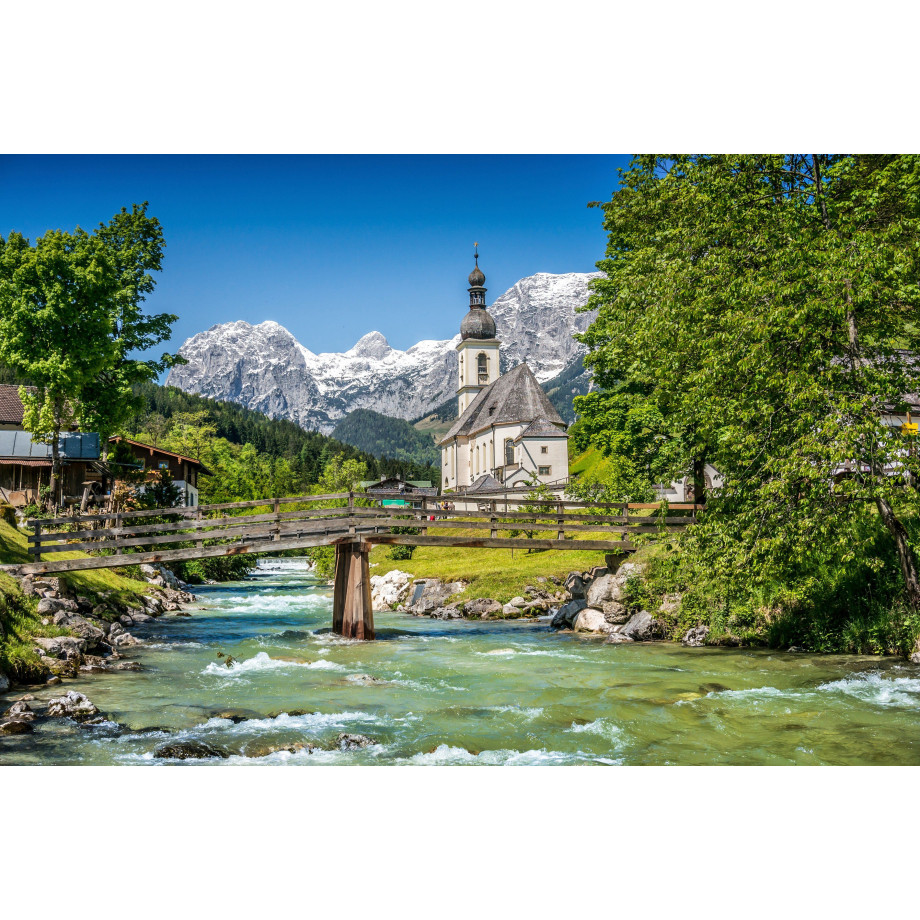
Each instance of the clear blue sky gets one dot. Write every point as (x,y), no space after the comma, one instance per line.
(329,246)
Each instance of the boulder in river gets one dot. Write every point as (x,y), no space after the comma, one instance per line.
(188,750)
(73,705)
(389,590)
(20,711)
(643,627)
(617,638)
(16,727)
(482,607)
(695,637)
(346,742)
(565,615)
(590,619)
(430,593)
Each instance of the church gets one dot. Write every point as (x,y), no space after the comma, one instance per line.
(508,432)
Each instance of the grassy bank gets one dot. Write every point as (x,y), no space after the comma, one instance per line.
(497,573)
(18,619)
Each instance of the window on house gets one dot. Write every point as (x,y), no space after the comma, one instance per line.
(163,466)
(544,450)
(509,451)
(543,470)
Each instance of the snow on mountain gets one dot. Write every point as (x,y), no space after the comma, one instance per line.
(265,368)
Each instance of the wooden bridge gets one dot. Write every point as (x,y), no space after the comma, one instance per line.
(351,523)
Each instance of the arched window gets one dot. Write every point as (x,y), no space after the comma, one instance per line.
(483,367)
(509,451)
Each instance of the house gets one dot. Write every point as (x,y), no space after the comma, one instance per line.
(400,493)
(25,466)
(184,471)
(507,429)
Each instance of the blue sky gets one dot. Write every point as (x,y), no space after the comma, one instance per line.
(329,246)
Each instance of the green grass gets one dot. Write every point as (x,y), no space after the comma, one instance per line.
(497,573)
(19,622)
(591,461)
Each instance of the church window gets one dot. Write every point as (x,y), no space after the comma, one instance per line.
(509,451)
(483,368)
(544,450)
(543,470)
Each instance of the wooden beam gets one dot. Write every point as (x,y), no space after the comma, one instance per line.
(606,546)
(352,613)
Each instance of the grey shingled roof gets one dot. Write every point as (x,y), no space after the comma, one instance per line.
(515,397)
(541,428)
(10,405)
(485,483)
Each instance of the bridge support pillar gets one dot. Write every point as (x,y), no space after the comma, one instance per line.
(352,614)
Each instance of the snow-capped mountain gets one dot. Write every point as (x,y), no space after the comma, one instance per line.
(264,367)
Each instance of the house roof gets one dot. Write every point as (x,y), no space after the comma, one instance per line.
(10,405)
(541,427)
(515,397)
(159,450)
(16,446)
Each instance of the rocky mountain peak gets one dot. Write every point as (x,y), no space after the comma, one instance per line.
(264,367)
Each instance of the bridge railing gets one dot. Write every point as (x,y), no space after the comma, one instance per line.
(495,523)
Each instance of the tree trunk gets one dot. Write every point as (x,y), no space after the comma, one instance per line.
(55,468)
(699,480)
(906,555)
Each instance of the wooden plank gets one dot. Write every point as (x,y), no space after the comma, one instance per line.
(108,562)
(498,524)
(607,546)
(519,516)
(238,533)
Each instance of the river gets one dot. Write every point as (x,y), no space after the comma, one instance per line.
(459,692)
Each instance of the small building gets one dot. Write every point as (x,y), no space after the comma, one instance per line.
(507,429)
(393,492)
(184,471)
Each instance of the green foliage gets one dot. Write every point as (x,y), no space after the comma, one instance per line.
(162,492)
(540,503)
(384,436)
(755,313)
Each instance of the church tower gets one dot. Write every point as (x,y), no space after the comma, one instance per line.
(478,347)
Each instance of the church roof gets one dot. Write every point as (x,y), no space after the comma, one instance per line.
(515,397)
(541,427)
(485,483)
(477,324)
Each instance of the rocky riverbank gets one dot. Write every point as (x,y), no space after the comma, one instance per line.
(598,602)
(93,633)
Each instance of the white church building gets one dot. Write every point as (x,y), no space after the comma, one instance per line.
(508,432)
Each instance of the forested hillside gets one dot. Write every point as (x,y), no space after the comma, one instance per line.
(382,435)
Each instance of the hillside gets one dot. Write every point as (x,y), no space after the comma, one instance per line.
(384,436)
(278,438)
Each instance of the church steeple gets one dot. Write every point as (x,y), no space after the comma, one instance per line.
(479,348)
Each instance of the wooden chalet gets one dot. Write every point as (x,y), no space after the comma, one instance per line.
(395,492)
(184,471)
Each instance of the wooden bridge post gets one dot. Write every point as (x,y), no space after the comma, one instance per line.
(351,512)
(276,538)
(352,614)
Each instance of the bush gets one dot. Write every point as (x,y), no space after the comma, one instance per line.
(401,553)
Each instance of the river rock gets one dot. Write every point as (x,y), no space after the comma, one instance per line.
(16,727)
(125,640)
(59,668)
(695,637)
(575,585)
(72,705)
(604,589)
(139,616)
(364,679)
(566,614)
(83,628)
(19,711)
(61,646)
(518,602)
(599,571)
(188,750)
(48,606)
(264,748)
(346,742)
(431,593)
(482,607)
(615,613)
(387,591)
(643,627)
(590,619)
(617,638)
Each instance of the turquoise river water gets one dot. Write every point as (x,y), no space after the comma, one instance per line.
(459,692)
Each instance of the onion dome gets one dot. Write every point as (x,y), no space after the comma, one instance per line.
(477,324)
(477,278)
